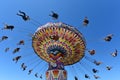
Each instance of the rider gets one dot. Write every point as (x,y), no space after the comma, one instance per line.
(23,15)
(54,15)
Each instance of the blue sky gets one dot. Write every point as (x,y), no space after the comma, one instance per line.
(104,18)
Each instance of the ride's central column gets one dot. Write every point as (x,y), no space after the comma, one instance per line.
(56,71)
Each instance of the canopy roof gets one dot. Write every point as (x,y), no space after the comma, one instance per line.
(59,37)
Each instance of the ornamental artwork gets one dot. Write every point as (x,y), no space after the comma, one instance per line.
(59,42)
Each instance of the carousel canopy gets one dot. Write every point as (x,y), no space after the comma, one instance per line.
(54,41)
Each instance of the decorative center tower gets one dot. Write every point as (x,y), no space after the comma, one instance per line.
(60,45)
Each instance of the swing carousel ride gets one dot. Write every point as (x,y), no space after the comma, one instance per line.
(59,45)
